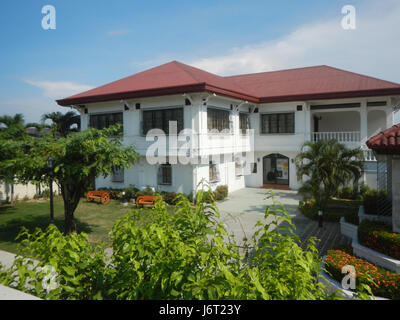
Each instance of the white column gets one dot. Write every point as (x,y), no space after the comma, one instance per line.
(363,123)
(389,116)
(307,122)
(396,194)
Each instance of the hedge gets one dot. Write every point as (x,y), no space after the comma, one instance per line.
(382,282)
(379,236)
(371,200)
(331,214)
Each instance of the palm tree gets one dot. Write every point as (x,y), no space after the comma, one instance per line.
(328,165)
(62,123)
(11,121)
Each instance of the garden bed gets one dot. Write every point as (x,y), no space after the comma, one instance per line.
(378,236)
(384,283)
(335,211)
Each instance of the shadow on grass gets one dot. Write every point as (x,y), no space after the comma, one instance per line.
(7,208)
(10,230)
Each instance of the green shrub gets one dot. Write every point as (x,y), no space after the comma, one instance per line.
(223,190)
(373,199)
(46,193)
(79,267)
(130,193)
(382,283)
(148,191)
(331,214)
(351,217)
(183,254)
(379,236)
(169,197)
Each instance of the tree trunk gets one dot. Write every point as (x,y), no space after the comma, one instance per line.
(71,197)
(12,194)
(69,224)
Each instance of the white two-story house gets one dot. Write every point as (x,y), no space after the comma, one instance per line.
(269,115)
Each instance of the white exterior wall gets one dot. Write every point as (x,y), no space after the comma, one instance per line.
(187,177)
(22,191)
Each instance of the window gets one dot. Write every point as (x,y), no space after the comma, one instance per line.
(118,175)
(238,168)
(213,173)
(217,119)
(159,119)
(277,123)
(244,122)
(165,174)
(254,167)
(105,120)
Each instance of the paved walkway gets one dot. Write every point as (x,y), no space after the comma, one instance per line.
(244,208)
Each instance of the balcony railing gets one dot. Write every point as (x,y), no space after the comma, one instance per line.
(342,137)
(369,155)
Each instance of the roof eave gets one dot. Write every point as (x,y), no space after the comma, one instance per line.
(332,95)
(132,94)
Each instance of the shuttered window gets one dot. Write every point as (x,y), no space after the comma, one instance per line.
(118,175)
(277,123)
(105,120)
(159,119)
(217,119)
(244,122)
(165,174)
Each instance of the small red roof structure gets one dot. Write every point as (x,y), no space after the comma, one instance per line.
(386,142)
(319,82)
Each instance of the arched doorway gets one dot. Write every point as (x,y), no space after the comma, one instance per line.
(276,169)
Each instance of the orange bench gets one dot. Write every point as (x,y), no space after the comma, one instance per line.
(104,196)
(146,200)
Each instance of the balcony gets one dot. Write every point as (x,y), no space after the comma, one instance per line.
(349,137)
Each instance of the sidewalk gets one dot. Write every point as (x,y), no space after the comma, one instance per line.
(7,293)
(6,258)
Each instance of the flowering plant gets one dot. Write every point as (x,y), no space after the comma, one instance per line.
(378,236)
(383,283)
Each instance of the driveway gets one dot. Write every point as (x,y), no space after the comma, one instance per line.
(244,208)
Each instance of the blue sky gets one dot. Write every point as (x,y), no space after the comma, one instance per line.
(96,42)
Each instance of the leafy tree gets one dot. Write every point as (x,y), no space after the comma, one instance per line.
(327,165)
(78,159)
(10,121)
(11,128)
(62,123)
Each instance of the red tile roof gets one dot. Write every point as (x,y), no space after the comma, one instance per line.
(387,141)
(320,82)
(317,82)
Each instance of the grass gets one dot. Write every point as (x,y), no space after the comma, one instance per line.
(91,217)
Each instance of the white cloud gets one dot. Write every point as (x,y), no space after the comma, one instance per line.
(373,48)
(59,89)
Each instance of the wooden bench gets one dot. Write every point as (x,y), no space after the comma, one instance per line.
(146,201)
(104,196)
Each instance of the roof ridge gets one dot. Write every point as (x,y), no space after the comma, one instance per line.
(280,70)
(182,67)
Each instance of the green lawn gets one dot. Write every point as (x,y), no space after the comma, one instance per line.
(91,217)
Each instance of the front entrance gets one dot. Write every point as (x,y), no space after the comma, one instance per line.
(276,169)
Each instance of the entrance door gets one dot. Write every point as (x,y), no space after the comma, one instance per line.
(276,169)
